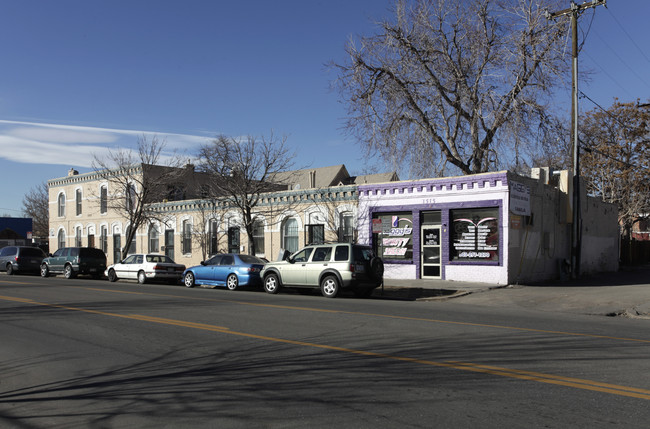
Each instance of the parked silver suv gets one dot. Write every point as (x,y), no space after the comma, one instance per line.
(331,267)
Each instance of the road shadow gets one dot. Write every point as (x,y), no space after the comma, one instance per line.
(626,276)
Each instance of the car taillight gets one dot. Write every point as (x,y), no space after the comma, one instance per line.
(252,270)
(351,268)
(157,267)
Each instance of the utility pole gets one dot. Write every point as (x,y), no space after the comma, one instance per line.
(576,228)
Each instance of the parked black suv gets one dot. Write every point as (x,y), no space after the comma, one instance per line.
(330,267)
(21,259)
(71,261)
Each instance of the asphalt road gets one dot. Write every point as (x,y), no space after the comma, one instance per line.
(86,353)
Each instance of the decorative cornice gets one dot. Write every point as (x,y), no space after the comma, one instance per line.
(469,182)
(332,194)
(89,177)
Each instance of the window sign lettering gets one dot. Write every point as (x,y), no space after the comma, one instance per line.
(394,235)
(431,237)
(475,234)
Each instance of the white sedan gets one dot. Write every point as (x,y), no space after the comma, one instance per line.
(145,267)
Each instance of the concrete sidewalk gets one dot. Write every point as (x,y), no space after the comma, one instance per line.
(623,293)
(430,289)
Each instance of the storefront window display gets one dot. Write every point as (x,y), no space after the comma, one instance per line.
(394,235)
(474,235)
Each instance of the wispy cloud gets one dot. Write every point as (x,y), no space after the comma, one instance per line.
(42,143)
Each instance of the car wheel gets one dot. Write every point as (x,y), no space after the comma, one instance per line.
(45,271)
(271,284)
(189,279)
(112,277)
(10,269)
(142,278)
(329,286)
(68,272)
(232,282)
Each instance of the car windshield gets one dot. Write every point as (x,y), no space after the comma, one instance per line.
(32,251)
(362,253)
(214,260)
(303,255)
(248,259)
(159,258)
(86,252)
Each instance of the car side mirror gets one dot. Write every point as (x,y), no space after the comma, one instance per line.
(202,262)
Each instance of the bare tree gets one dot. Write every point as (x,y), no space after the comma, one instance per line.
(453,84)
(243,170)
(615,159)
(36,205)
(553,149)
(205,230)
(136,180)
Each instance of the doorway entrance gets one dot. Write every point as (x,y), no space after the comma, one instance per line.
(430,250)
(169,243)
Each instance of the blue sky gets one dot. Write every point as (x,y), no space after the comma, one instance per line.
(78,77)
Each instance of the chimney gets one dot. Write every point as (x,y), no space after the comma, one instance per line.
(72,172)
(312,179)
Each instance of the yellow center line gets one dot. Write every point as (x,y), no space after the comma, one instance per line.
(464,366)
(386,316)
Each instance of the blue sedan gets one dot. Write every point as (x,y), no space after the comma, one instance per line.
(229,270)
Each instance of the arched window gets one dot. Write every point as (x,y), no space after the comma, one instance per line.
(186,243)
(131,247)
(214,237)
(77,236)
(103,199)
(130,196)
(78,201)
(61,204)
(290,235)
(61,239)
(103,239)
(154,239)
(117,245)
(258,236)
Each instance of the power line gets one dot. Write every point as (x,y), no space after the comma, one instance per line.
(628,35)
(583,95)
(623,61)
(609,75)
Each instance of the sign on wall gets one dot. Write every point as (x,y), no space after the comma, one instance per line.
(519,199)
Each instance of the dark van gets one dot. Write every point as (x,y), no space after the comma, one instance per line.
(21,259)
(71,261)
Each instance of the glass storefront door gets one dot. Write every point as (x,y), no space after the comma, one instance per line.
(430,252)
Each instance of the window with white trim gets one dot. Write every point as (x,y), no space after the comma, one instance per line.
(154,239)
(103,199)
(61,239)
(78,203)
(187,237)
(61,205)
(290,235)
